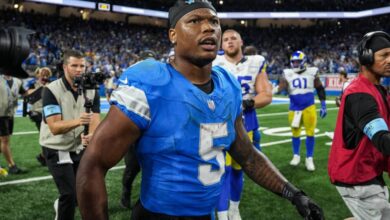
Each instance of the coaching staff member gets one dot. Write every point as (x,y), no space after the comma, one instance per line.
(61,130)
(361,144)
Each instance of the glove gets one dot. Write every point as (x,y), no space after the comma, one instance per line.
(248,104)
(305,206)
(323,109)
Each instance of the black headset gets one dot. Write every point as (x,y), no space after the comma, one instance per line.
(366,56)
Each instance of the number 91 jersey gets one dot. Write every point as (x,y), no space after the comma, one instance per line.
(245,71)
(301,87)
(185,133)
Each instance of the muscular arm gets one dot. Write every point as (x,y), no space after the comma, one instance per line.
(320,89)
(108,145)
(263,89)
(254,163)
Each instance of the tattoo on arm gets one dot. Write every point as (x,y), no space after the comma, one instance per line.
(254,163)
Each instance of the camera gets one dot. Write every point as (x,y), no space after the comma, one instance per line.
(31,99)
(14,49)
(89,81)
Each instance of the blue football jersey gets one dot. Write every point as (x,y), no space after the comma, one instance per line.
(185,135)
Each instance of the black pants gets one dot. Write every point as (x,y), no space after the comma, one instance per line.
(36,117)
(140,213)
(64,176)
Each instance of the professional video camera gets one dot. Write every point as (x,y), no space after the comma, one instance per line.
(14,49)
(88,81)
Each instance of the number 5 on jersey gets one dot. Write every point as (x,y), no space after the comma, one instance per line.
(207,151)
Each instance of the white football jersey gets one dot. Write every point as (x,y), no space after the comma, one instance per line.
(301,83)
(245,71)
(301,87)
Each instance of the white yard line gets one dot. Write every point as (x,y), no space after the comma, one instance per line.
(35,179)
(286,113)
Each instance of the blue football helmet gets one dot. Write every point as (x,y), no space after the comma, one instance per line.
(298,61)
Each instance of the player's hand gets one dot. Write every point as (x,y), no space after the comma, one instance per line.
(85,118)
(323,111)
(248,104)
(307,208)
(85,139)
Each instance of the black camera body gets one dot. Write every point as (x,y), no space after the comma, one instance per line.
(89,81)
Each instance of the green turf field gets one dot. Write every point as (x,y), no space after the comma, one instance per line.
(34,199)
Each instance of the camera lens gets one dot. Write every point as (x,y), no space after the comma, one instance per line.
(14,49)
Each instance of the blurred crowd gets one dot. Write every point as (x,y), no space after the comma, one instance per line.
(112,47)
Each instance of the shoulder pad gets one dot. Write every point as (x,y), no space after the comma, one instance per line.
(256,58)
(288,71)
(149,72)
(219,60)
(312,70)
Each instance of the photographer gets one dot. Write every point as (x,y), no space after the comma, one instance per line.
(34,97)
(64,118)
(10,89)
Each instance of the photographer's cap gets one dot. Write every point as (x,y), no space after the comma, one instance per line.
(182,7)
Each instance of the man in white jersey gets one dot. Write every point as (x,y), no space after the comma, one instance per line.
(301,81)
(257,93)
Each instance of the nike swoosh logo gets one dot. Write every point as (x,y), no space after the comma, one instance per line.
(124,81)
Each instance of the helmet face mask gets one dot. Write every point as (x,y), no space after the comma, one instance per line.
(298,61)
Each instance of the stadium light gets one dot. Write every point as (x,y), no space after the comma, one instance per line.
(74,3)
(231,15)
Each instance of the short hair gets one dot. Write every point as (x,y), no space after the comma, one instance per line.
(250,50)
(72,53)
(231,30)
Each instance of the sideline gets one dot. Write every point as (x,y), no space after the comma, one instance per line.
(35,179)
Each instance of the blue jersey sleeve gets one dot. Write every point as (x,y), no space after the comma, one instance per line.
(131,96)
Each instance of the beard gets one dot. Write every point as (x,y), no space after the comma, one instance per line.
(232,53)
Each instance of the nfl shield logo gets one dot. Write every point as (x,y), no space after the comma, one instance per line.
(211,104)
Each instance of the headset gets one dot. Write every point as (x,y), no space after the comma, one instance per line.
(366,56)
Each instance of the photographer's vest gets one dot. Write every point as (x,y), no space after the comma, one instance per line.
(9,96)
(70,141)
(37,106)
(364,162)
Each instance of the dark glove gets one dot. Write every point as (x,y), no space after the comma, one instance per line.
(248,104)
(305,206)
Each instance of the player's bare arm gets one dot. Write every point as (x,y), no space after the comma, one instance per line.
(317,82)
(261,170)
(254,163)
(263,90)
(108,145)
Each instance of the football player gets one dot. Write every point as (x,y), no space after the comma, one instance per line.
(257,93)
(301,82)
(184,116)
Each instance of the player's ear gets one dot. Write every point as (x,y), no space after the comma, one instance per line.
(172,35)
